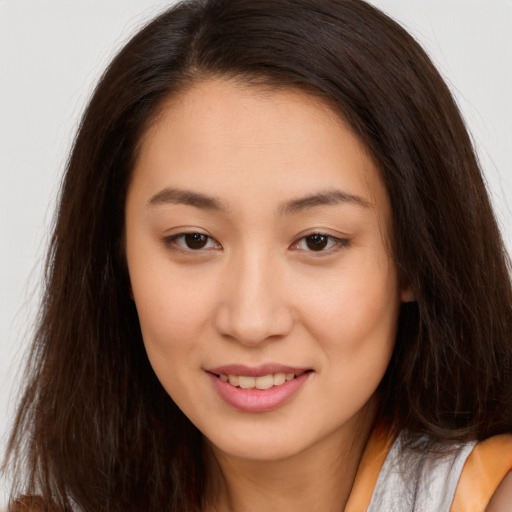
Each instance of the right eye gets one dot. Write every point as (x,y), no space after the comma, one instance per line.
(191,242)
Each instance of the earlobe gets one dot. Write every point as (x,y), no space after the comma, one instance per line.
(406,293)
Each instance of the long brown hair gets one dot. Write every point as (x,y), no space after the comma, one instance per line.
(95,430)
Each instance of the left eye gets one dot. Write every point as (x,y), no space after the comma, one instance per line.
(192,241)
(318,242)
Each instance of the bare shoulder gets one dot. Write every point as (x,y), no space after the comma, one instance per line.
(501,500)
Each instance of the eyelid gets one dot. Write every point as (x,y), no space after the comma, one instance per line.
(170,242)
(339,243)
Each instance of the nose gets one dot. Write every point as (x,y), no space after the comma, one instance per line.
(254,305)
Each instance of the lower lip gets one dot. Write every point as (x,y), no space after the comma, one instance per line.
(258,400)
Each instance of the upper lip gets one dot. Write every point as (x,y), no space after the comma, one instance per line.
(256,371)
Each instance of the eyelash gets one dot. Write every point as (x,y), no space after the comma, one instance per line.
(171,242)
(335,242)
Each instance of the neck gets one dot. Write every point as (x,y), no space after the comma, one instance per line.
(318,478)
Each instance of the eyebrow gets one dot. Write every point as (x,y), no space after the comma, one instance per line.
(324,198)
(187,197)
(206,202)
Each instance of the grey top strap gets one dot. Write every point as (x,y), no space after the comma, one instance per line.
(418,482)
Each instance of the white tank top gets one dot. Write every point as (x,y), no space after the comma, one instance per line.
(418,482)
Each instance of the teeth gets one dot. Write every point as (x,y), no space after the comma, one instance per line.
(262,382)
(246,382)
(279,378)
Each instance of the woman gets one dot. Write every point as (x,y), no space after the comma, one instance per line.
(275,279)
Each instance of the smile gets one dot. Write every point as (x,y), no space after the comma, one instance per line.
(262,382)
(257,390)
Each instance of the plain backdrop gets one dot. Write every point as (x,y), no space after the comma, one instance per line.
(51,54)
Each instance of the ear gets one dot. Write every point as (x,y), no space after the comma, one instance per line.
(406,293)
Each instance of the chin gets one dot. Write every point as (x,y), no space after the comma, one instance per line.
(257,450)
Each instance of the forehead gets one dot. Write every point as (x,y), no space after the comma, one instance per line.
(229,138)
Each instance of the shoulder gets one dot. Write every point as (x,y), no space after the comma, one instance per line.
(501,500)
(419,476)
(486,479)
(471,477)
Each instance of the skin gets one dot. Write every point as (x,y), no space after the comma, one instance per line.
(502,498)
(257,292)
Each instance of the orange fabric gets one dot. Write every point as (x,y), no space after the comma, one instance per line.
(374,454)
(485,468)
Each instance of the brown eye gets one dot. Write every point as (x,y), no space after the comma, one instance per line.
(320,243)
(195,240)
(191,242)
(317,242)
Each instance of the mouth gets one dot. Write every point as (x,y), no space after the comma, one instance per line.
(260,389)
(261,382)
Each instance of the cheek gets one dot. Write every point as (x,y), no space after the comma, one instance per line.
(169,326)
(360,339)
(356,323)
(356,307)
(170,315)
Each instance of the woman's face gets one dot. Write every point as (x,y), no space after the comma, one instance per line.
(257,232)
